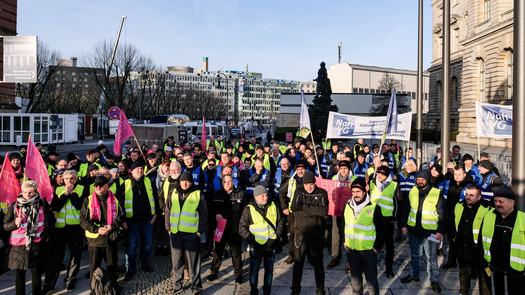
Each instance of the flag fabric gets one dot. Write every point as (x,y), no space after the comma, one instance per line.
(304,127)
(391,115)
(204,136)
(219,231)
(124,131)
(37,171)
(9,184)
(339,192)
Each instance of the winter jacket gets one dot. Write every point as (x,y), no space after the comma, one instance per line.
(246,221)
(92,225)
(310,211)
(230,206)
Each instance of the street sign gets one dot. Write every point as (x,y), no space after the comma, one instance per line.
(20,59)
(289,136)
(114,113)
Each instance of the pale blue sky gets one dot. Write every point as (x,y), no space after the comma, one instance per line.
(281,39)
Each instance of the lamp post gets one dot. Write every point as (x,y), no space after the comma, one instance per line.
(227,101)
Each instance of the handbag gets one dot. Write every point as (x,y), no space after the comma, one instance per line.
(278,245)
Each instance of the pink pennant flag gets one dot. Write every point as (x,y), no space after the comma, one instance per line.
(219,232)
(9,184)
(204,137)
(124,131)
(36,170)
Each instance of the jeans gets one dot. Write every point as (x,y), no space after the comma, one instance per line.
(416,248)
(256,256)
(136,230)
(363,261)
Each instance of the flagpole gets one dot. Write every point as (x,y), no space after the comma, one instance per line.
(138,145)
(316,160)
(28,140)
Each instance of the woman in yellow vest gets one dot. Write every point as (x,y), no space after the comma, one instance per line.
(261,225)
(101,216)
(364,232)
(186,219)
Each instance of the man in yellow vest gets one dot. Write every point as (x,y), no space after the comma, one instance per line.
(261,225)
(141,206)
(383,193)
(364,231)
(67,202)
(186,219)
(503,239)
(469,215)
(425,221)
(101,216)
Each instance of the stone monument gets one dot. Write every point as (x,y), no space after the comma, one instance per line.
(322,104)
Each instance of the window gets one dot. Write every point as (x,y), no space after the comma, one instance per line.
(482,81)
(510,76)
(439,90)
(73,73)
(487,10)
(454,95)
(456,39)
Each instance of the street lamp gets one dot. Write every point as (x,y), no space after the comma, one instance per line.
(227,100)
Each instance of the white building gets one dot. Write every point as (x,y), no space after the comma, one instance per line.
(354,78)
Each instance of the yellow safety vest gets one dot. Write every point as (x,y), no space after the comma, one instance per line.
(90,234)
(82,171)
(360,233)
(517,241)
(112,188)
(384,199)
(128,197)
(478,219)
(187,219)
(68,215)
(260,228)
(429,215)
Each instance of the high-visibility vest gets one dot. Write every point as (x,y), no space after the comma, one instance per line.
(384,199)
(327,145)
(517,241)
(95,235)
(429,214)
(277,180)
(260,228)
(187,219)
(264,174)
(218,146)
(292,185)
(4,207)
(478,218)
(205,164)
(128,197)
(82,171)
(486,192)
(360,172)
(325,166)
(371,173)
(68,215)
(18,236)
(282,149)
(406,183)
(266,161)
(360,233)
(444,188)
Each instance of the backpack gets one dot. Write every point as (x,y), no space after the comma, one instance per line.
(102,284)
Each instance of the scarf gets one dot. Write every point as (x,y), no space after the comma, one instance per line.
(382,185)
(29,208)
(347,178)
(359,207)
(111,207)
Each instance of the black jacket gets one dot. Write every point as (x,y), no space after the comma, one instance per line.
(468,251)
(230,206)
(441,208)
(19,257)
(454,193)
(58,203)
(283,191)
(92,225)
(141,206)
(310,211)
(246,220)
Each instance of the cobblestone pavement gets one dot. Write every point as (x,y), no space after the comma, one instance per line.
(337,281)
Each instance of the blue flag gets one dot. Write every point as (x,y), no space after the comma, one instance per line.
(391,116)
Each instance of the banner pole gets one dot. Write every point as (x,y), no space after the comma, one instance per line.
(315,153)
(138,145)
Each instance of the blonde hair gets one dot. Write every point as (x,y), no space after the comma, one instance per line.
(30,184)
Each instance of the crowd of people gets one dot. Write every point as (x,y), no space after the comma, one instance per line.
(269,196)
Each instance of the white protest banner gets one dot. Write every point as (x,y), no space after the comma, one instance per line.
(494,121)
(348,126)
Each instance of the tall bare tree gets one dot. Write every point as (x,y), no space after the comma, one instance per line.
(41,95)
(388,82)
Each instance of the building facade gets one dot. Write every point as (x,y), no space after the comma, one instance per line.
(355,78)
(481,64)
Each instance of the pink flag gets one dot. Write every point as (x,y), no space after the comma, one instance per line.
(339,192)
(124,131)
(221,224)
(37,171)
(9,184)
(204,136)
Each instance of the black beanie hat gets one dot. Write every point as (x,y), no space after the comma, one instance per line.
(308,177)
(186,176)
